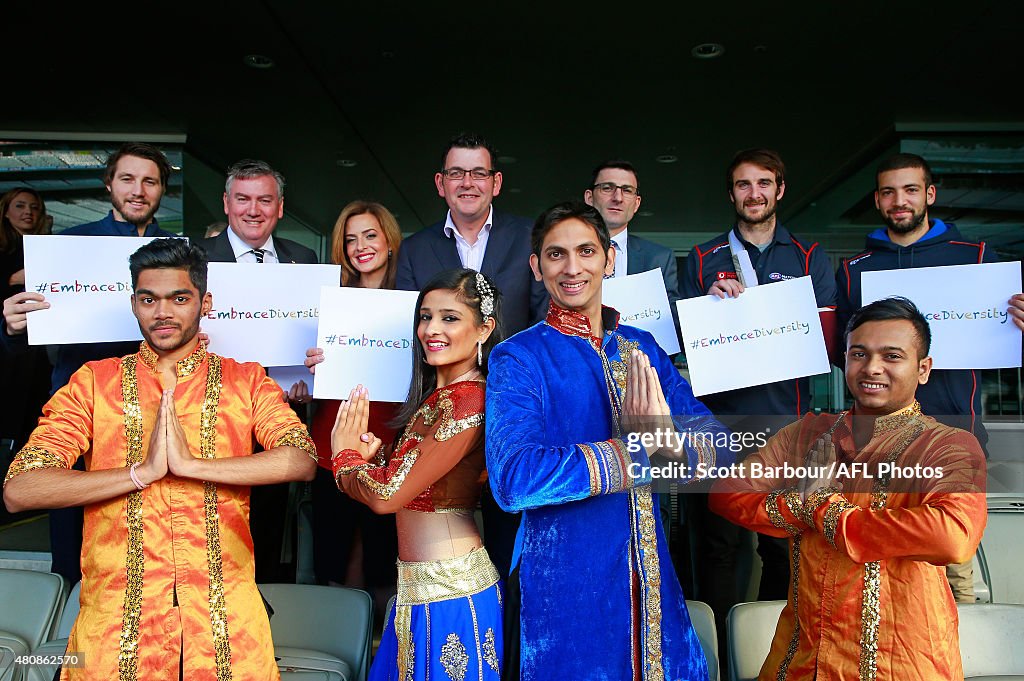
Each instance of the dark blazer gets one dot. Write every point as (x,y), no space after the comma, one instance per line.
(643,255)
(218,249)
(506,261)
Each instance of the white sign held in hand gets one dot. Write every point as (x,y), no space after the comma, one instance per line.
(642,301)
(88,285)
(265,313)
(766,334)
(965,306)
(367,338)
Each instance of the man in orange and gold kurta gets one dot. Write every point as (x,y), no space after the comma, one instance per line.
(167,566)
(890,498)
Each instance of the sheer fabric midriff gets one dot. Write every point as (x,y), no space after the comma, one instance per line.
(436,536)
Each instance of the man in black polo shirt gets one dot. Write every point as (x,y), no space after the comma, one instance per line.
(755,181)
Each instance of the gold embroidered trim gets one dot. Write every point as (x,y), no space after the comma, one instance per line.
(135,560)
(33,458)
(438,580)
(616,463)
(450,426)
(650,584)
(831,522)
(185,367)
(593,469)
(426,615)
(454,658)
(386,490)
(476,637)
(870,613)
(815,500)
(620,367)
(794,640)
(897,420)
(771,506)
(490,652)
(298,437)
(214,557)
(706,454)
(403,634)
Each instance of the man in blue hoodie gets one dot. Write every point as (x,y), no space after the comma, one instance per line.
(910,239)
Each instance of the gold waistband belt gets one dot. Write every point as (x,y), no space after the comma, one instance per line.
(438,580)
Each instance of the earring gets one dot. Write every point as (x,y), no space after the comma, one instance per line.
(389,254)
(479,353)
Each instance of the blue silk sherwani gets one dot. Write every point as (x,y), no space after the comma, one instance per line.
(600,599)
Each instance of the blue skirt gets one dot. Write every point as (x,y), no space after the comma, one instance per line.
(446,623)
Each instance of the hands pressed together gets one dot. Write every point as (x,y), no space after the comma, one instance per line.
(168,449)
(350,428)
(644,409)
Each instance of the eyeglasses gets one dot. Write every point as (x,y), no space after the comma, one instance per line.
(475,173)
(608,188)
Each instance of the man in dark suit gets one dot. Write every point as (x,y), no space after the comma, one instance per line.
(474,235)
(614,192)
(253,203)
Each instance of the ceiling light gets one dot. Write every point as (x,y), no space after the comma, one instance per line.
(347,163)
(258,61)
(506,160)
(646,214)
(708,51)
(515,190)
(666,158)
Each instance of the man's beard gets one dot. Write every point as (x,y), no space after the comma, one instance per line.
(768,215)
(907,227)
(187,334)
(140,221)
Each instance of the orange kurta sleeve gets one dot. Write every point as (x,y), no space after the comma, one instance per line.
(275,424)
(767,505)
(65,430)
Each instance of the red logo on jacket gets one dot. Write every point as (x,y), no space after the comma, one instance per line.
(726,275)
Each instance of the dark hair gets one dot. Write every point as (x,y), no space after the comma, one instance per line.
(248,168)
(898,308)
(11,238)
(170,254)
(139,150)
(424,377)
(901,161)
(470,140)
(765,158)
(621,165)
(567,211)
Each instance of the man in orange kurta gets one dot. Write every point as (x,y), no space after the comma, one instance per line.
(167,566)
(890,496)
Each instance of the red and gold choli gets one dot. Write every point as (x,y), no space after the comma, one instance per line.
(868,593)
(440,454)
(167,571)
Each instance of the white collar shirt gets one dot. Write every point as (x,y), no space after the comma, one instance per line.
(621,255)
(471,255)
(243,251)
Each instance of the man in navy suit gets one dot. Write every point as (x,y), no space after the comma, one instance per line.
(615,193)
(253,203)
(474,235)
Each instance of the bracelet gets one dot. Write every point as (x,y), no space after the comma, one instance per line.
(134,477)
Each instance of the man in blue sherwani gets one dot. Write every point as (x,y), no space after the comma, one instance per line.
(567,403)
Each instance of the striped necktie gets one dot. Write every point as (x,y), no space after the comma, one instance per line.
(258,252)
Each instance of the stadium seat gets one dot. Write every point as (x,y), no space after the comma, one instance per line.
(1004,552)
(750,628)
(703,619)
(30,601)
(58,643)
(320,632)
(990,641)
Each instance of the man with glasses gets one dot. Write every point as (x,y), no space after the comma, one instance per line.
(615,193)
(474,235)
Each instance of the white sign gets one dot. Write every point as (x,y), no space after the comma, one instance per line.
(642,301)
(367,338)
(965,306)
(265,313)
(286,377)
(766,334)
(88,285)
